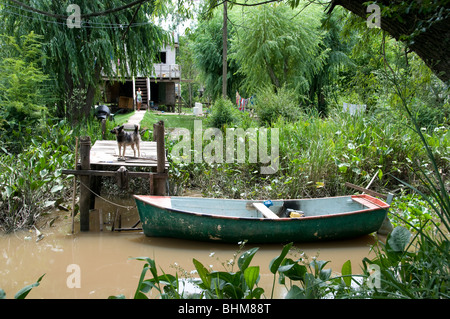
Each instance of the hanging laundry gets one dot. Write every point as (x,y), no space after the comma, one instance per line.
(241,102)
(252,100)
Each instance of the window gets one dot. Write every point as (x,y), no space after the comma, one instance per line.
(162,57)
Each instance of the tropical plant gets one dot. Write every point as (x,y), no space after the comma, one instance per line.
(229,285)
(186,60)
(242,284)
(417,267)
(410,266)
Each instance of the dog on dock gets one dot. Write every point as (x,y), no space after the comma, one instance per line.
(127,138)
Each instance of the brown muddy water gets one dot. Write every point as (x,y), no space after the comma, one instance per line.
(98,264)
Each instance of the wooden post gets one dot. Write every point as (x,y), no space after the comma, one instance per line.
(85,194)
(160,183)
(134,94)
(96,186)
(74,186)
(122,177)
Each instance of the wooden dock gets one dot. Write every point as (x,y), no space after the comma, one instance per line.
(106,153)
(102,160)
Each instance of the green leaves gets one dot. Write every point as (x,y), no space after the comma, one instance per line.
(215,284)
(312,280)
(276,262)
(203,273)
(282,47)
(74,57)
(246,257)
(207,49)
(251,276)
(273,105)
(32,181)
(23,293)
(242,284)
(347,273)
(167,285)
(21,81)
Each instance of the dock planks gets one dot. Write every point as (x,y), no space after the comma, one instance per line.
(107,153)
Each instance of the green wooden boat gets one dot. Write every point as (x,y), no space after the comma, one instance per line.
(229,220)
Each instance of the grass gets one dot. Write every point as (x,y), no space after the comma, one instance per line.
(122,118)
(170,120)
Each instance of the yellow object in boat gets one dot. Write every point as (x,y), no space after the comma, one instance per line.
(296,215)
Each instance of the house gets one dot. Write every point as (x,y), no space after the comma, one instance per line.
(161,88)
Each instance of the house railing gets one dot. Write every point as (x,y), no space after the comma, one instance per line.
(167,71)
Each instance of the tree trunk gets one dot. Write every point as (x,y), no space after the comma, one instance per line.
(90,93)
(225,49)
(432,42)
(190,94)
(321,102)
(65,107)
(273,77)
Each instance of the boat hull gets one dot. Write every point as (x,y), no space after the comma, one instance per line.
(159,219)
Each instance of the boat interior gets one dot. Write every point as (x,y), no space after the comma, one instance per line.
(281,208)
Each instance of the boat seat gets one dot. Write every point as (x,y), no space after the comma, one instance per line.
(265,211)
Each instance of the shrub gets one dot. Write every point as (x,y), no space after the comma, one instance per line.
(223,112)
(270,106)
(23,93)
(32,180)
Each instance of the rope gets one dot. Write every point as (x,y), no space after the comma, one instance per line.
(107,200)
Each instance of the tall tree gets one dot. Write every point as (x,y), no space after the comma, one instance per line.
(337,52)
(208,56)
(22,90)
(421,25)
(185,58)
(277,45)
(114,39)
